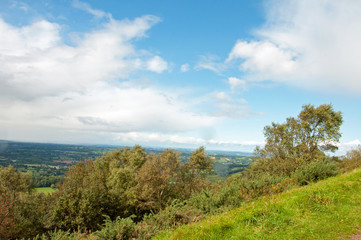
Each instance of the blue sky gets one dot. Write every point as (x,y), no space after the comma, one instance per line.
(175,73)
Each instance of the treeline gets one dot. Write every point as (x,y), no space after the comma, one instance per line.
(126,183)
(48,163)
(131,194)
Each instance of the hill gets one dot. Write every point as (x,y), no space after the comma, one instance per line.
(328,209)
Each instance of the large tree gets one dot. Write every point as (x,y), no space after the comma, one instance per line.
(299,140)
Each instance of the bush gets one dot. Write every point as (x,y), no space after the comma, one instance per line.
(176,214)
(121,228)
(258,186)
(211,201)
(316,171)
(62,235)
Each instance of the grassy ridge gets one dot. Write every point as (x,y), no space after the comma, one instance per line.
(329,209)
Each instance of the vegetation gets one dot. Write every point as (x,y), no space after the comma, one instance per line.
(325,210)
(47,190)
(48,163)
(131,193)
(299,141)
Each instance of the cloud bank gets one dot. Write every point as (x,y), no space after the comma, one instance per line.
(310,44)
(49,86)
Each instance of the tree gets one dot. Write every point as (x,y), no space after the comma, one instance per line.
(82,198)
(157,180)
(200,161)
(300,140)
(22,210)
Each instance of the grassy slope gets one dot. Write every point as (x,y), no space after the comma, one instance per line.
(329,209)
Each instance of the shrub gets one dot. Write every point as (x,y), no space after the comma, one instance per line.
(7,226)
(176,214)
(62,235)
(120,228)
(212,200)
(258,186)
(316,171)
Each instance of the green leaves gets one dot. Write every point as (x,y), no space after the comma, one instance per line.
(125,182)
(299,141)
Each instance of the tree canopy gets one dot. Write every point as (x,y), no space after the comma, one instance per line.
(300,140)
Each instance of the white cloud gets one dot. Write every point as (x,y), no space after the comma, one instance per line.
(108,109)
(35,62)
(263,57)
(237,84)
(228,107)
(232,110)
(184,67)
(51,91)
(344,147)
(210,63)
(87,8)
(157,64)
(312,44)
(182,141)
(223,96)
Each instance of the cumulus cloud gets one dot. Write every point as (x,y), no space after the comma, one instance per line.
(157,64)
(35,62)
(263,57)
(52,91)
(108,109)
(312,44)
(237,84)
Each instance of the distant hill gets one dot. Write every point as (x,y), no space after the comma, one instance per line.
(43,153)
(40,156)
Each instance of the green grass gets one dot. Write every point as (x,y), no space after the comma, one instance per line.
(47,190)
(329,209)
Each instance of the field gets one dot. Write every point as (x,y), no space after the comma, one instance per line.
(326,210)
(47,190)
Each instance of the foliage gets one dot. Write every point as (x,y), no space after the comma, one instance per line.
(176,214)
(263,185)
(126,182)
(58,234)
(27,209)
(158,180)
(299,141)
(214,200)
(119,229)
(326,210)
(316,171)
(13,182)
(131,194)
(7,219)
(200,162)
(82,199)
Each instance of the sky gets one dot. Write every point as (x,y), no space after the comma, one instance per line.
(175,73)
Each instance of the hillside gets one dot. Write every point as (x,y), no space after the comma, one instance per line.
(328,209)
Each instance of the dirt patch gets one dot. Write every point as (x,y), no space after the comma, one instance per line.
(356,236)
